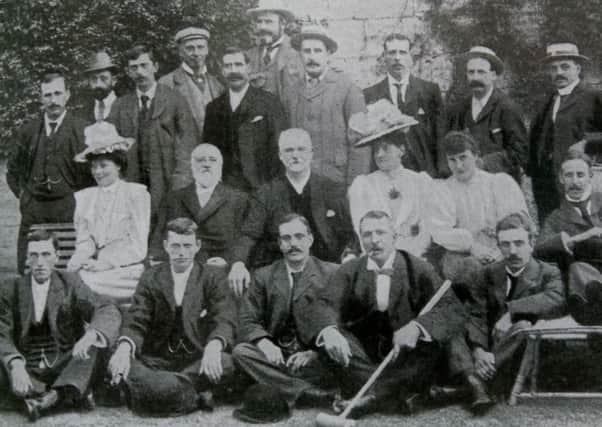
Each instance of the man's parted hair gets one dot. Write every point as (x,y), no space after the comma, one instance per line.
(292,217)
(514,221)
(43,235)
(137,51)
(51,74)
(456,142)
(396,36)
(576,154)
(182,225)
(375,214)
(233,50)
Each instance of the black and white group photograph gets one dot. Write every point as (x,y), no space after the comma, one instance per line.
(321,213)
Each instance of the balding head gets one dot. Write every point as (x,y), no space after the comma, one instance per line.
(206,162)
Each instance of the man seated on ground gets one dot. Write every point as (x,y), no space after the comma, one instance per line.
(171,352)
(52,328)
(319,199)
(370,307)
(276,348)
(572,237)
(466,209)
(513,294)
(216,208)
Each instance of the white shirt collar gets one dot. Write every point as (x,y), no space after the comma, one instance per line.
(405,80)
(179,283)
(39,291)
(190,71)
(478,104)
(150,93)
(58,122)
(236,97)
(569,89)
(515,273)
(108,103)
(371,265)
(299,186)
(586,195)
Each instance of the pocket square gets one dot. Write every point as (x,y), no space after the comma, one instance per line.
(330,213)
(421,111)
(203,313)
(496,130)
(257,119)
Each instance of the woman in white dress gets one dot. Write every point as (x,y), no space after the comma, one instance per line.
(400,192)
(111,220)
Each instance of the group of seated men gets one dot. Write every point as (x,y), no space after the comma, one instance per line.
(274,255)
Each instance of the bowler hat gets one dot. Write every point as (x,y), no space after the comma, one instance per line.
(262,404)
(382,118)
(102,137)
(484,52)
(313,32)
(274,6)
(99,61)
(556,51)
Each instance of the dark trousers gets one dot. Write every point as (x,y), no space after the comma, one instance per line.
(412,372)
(67,371)
(253,362)
(34,211)
(584,310)
(169,386)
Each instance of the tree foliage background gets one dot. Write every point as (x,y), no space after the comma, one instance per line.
(39,34)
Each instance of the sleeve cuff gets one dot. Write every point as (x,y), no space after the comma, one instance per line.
(424,335)
(222,340)
(564,237)
(320,337)
(130,342)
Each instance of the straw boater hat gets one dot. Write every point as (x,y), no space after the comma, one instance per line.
(313,32)
(382,118)
(274,6)
(102,137)
(557,51)
(484,52)
(100,61)
(191,33)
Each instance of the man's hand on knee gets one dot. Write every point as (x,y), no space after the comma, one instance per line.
(120,363)
(211,364)
(20,380)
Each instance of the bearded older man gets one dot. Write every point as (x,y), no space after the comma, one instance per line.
(216,208)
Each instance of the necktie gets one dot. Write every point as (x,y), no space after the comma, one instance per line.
(582,206)
(296,275)
(52,128)
(199,81)
(557,103)
(144,111)
(267,56)
(513,282)
(400,100)
(312,81)
(101,111)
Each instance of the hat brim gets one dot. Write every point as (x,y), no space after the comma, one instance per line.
(296,40)
(241,415)
(384,132)
(286,14)
(496,62)
(81,157)
(580,58)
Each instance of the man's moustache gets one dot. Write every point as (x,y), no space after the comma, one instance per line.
(560,79)
(294,250)
(234,76)
(476,83)
(575,187)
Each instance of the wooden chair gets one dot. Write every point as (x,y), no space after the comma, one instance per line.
(65,233)
(563,329)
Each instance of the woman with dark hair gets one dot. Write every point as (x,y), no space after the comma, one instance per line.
(112,219)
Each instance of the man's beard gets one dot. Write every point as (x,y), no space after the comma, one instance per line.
(100,93)
(207,179)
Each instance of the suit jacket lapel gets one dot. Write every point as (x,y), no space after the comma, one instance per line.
(500,284)
(281,280)
(192,301)
(488,108)
(308,277)
(399,282)
(56,295)
(383,89)
(217,199)
(166,285)
(571,215)
(159,102)
(412,96)
(527,280)
(318,207)
(572,97)
(25,303)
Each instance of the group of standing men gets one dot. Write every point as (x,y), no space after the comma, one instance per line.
(272,183)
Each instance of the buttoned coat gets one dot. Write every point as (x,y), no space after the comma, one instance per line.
(70,138)
(351,295)
(539,294)
(324,111)
(208,311)
(423,102)
(219,221)
(283,70)
(170,138)
(499,129)
(252,131)
(269,301)
(271,202)
(579,113)
(71,306)
(567,219)
(181,81)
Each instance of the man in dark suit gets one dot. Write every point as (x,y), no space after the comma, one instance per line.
(322,201)
(41,171)
(370,307)
(415,97)
(274,64)
(572,237)
(564,117)
(191,78)
(217,209)
(276,349)
(490,116)
(244,123)
(171,352)
(512,294)
(100,76)
(51,329)
(160,120)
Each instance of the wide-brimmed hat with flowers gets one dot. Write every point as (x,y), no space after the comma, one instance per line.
(382,118)
(102,137)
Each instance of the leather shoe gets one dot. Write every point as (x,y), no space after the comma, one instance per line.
(205,401)
(367,404)
(32,409)
(36,406)
(316,397)
(447,394)
(87,403)
(593,291)
(481,401)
